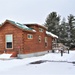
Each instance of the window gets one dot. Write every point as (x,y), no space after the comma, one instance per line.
(45,39)
(40,30)
(46,42)
(9,41)
(39,38)
(30,36)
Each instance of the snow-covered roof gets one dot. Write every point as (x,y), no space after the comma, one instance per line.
(51,34)
(37,25)
(22,26)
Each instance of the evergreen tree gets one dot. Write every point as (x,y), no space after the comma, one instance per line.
(71,29)
(52,22)
(63,32)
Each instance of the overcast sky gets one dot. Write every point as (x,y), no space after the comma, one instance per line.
(34,11)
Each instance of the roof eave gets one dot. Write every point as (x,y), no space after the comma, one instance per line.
(17,26)
(37,25)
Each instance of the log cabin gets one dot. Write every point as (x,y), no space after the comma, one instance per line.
(25,40)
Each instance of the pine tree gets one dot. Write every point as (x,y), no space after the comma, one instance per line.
(63,35)
(71,29)
(65,31)
(52,22)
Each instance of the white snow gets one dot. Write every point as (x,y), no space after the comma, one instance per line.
(5,56)
(22,25)
(55,65)
(34,30)
(51,34)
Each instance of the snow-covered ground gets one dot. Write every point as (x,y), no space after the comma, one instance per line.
(54,65)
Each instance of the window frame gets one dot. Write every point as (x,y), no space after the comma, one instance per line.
(31,36)
(46,42)
(6,41)
(39,39)
(40,29)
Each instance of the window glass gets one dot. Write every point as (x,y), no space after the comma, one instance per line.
(9,44)
(8,38)
(40,30)
(30,36)
(9,41)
